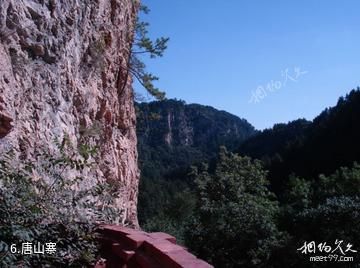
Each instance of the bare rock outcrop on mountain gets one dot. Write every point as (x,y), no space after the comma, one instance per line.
(61,74)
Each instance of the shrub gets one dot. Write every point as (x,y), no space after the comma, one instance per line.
(39,203)
(234,224)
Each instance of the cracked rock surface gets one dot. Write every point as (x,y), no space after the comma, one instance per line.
(60,75)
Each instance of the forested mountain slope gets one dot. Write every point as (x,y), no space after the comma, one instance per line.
(172,136)
(308,149)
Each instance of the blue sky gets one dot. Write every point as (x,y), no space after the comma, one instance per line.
(265,61)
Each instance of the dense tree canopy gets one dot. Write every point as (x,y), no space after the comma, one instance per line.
(231,211)
(234,224)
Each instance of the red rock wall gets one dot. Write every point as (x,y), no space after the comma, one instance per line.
(60,75)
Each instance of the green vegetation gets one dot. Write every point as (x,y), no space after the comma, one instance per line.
(196,133)
(308,149)
(322,210)
(40,204)
(229,210)
(237,221)
(143,45)
(234,223)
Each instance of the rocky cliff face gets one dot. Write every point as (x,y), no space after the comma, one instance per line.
(174,123)
(172,137)
(61,74)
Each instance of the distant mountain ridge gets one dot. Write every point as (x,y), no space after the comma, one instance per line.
(175,123)
(172,136)
(188,133)
(266,143)
(309,148)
